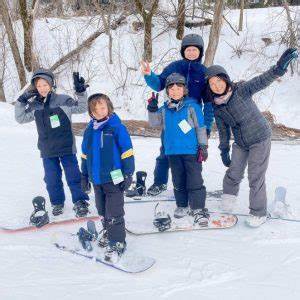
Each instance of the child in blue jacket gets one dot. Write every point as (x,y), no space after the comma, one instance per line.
(185,142)
(108,162)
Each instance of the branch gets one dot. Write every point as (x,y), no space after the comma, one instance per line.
(87,43)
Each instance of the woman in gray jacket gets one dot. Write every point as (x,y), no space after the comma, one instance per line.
(236,112)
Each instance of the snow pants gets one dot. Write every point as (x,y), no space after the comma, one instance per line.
(53,178)
(187,181)
(161,171)
(110,205)
(257,158)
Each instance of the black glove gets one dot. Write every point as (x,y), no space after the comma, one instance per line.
(153,103)
(208,133)
(225,157)
(124,185)
(27,95)
(79,85)
(202,153)
(284,61)
(85,184)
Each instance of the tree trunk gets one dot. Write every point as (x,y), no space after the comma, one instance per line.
(214,34)
(147,18)
(242,6)
(13,42)
(180,19)
(148,39)
(2,94)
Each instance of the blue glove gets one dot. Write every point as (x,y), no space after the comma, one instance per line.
(225,157)
(284,61)
(27,95)
(79,83)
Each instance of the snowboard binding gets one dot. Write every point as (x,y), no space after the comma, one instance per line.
(162,221)
(39,217)
(85,238)
(138,187)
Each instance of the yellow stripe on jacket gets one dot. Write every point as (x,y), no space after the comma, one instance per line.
(127,153)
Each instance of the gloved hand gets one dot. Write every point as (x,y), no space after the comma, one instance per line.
(85,184)
(284,61)
(225,157)
(124,185)
(27,95)
(208,133)
(153,103)
(202,153)
(79,83)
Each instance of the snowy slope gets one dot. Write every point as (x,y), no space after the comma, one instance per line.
(240,263)
(123,80)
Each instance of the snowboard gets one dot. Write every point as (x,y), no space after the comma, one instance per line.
(212,195)
(130,262)
(216,221)
(31,228)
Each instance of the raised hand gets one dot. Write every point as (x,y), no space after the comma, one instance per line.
(145,67)
(79,83)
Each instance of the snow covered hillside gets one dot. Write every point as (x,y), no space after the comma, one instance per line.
(123,80)
(238,263)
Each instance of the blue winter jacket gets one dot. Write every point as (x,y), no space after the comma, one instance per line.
(184,128)
(194,73)
(106,149)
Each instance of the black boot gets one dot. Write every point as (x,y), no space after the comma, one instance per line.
(138,187)
(81,208)
(57,209)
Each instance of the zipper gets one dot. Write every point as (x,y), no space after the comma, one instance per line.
(101,140)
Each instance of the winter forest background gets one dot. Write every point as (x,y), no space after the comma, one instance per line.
(106,39)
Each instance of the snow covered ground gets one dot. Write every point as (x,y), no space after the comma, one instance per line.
(238,263)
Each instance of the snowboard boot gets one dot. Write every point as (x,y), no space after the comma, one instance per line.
(40,216)
(57,209)
(138,187)
(201,217)
(255,221)
(114,251)
(103,240)
(181,212)
(85,238)
(81,208)
(155,189)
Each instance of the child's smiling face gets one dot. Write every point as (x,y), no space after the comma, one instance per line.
(176,91)
(100,110)
(43,87)
(217,85)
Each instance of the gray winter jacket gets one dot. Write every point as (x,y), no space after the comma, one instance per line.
(53,121)
(241,115)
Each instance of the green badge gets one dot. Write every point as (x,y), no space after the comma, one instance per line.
(117,176)
(54,120)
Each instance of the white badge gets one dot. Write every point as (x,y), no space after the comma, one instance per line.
(185,126)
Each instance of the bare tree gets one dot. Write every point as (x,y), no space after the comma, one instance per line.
(106,20)
(3,62)
(4,10)
(242,6)
(180,19)
(214,34)
(27,14)
(147,18)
